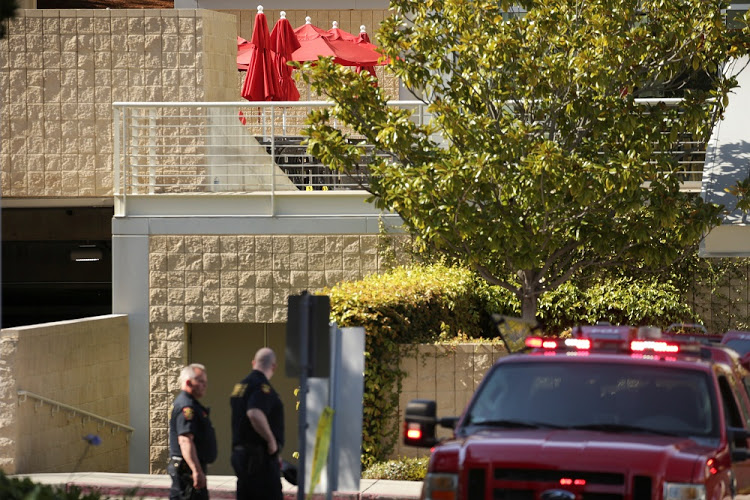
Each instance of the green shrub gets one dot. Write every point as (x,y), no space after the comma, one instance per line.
(12,488)
(404,469)
(619,301)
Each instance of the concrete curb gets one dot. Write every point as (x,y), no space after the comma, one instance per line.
(159,492)
(156,486)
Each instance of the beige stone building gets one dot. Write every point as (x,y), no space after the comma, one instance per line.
(202,276)
(201,264)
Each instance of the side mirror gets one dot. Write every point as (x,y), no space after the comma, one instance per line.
(734,433)
(419,423)
(448,422)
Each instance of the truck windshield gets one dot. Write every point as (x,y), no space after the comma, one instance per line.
(610,397)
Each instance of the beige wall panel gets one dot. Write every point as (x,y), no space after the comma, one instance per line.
(62,61)
(80,363)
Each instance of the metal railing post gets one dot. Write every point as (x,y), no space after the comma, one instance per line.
(151,150)
(117,166)
(272,162)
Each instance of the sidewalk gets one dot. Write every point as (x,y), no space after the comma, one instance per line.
(156,486)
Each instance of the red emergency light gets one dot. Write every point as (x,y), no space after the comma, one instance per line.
(580,344)
(566,481)
(654,345)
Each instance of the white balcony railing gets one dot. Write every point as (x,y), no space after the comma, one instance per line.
(241,148)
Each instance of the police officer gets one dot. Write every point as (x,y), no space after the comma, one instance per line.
(192,440)
(257,431)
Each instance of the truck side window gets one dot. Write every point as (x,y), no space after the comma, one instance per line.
(746,397)
(731,410)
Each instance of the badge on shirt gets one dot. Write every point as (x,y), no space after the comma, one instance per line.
(265,388)
(187,412)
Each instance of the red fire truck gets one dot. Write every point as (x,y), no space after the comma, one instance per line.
(611,413)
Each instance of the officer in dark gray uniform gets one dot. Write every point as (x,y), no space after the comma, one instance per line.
(192,440)
(257,431)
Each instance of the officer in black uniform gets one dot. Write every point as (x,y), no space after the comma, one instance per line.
(257,431)
(192,440)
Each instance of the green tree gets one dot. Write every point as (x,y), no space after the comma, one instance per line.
(7,10)
(548,168)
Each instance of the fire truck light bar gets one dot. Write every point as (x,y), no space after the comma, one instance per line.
(585,344)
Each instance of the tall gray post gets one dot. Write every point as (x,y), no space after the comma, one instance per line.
(343,392)
(130,285)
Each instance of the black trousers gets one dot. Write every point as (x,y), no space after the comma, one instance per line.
(258,473)
(182,481)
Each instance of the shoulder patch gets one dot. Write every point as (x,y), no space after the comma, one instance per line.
(187,412)
(239,390)
(265,388)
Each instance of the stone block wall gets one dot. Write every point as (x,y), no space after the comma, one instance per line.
(79,363)
(233,279)
(61,70)
(446,374)
(723,299)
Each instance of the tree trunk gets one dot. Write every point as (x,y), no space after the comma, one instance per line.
(528,307)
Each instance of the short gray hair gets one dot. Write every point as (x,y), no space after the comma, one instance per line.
(188,373)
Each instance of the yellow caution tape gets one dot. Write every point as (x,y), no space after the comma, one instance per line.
(322,443)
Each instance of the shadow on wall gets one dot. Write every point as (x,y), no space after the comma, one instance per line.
(728,165)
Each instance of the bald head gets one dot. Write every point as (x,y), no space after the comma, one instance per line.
(265,361)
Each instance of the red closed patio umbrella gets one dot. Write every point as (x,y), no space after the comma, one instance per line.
(283,44)
(262,80)
(364,38)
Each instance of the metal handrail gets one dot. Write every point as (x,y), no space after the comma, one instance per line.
(24,394)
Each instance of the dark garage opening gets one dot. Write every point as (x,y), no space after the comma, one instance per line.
(56,264)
